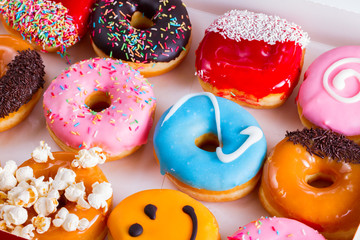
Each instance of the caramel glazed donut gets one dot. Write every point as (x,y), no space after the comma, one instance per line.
(55,195)
(313,176)
(21,80)
(152,36)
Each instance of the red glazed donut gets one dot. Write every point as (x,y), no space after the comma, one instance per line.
(249,63)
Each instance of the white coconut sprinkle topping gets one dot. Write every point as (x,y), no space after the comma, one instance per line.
(245,25)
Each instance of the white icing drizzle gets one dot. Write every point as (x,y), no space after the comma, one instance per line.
(255,133)
(339,80)
(247,25)
(189,96)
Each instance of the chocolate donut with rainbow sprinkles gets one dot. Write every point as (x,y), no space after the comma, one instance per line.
(152,36)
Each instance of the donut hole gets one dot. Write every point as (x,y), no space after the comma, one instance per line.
(208,142)
(320,180)
(98,101)
(140,21)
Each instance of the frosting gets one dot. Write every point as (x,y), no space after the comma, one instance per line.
(246,44)
(276,229)
(241,155)
(45,23)
(26,212)
(315,190)
(329,95)
(245,25)
(22,79)
(123,125)
(339,80)
(79,12)
(177,215)
(255,133)
(112,32)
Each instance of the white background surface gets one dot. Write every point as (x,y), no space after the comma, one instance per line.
(327,26)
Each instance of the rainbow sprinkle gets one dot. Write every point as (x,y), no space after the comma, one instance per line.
(153,44)
(44,23)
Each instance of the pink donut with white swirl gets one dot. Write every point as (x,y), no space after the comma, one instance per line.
(100,103)
(276,229)
(329,97)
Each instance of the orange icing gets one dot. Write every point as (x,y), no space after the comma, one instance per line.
(327,209)
(170,222)
(97,218)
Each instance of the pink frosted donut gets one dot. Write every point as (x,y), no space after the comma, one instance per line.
(100,103)
(276,229)
(329,97)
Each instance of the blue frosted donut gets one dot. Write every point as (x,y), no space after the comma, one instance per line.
(228,173)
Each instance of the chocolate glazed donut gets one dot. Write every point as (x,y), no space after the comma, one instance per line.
(162,34)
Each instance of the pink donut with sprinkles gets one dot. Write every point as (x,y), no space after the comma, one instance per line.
(100,103)
(276,229)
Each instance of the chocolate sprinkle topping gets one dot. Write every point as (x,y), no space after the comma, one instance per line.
(21,81)
(325,143)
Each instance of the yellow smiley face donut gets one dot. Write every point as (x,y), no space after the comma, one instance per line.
(162,214)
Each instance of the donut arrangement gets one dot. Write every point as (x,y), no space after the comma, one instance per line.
(208,144)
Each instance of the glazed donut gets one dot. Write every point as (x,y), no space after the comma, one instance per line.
(269,64)
(313,176)
(210,147)
(152,36)
(100,102)
(276,228)
(49,25)
(162,214)
(329,96)
(21,80)
(48,198)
